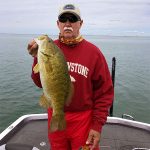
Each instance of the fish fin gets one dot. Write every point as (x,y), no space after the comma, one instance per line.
(44,102)
(58,122)
(36,68)
(69,98)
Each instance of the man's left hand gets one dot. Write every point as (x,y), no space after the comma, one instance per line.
(93,139)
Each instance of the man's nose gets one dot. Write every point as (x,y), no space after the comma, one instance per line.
(68,22)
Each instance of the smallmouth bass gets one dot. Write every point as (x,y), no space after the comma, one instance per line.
(55,80)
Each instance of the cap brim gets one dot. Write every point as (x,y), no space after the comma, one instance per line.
(69,12)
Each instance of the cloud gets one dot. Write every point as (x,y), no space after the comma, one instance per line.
(100,16)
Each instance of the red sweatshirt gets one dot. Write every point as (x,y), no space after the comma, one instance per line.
(92,81)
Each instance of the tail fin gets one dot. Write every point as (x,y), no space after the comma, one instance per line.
(58,122)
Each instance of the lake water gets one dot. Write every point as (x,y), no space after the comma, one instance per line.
(19,96)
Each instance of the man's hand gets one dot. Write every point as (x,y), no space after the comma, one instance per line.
(93,139)
(32,48)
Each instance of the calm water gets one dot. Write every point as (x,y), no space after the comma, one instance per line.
(19,96)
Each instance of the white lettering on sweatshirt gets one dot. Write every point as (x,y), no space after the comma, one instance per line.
(78,68)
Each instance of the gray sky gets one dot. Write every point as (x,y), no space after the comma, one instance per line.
(102,17)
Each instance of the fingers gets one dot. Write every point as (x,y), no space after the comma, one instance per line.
(32,48)
(93,139)
(90,139)
(95,143)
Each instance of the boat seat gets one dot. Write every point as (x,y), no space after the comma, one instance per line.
(18,146)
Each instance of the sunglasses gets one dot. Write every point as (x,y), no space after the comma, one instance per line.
(71,19)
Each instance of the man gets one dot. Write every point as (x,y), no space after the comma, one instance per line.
(93,89)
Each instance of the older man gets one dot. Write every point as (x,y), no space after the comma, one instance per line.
(93,95)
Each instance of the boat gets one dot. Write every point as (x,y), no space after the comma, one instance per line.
(29,132)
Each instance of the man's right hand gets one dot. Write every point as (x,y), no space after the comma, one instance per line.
(32,48)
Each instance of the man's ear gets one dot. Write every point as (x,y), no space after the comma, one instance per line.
(57,23)
(81,22)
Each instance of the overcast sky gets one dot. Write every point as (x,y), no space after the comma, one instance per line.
(102,17)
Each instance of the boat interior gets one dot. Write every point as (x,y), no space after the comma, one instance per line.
(30,133)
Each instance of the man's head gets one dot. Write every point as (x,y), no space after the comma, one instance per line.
(69,21)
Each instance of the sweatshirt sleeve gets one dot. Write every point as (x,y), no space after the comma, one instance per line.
(36,76)
(103,93)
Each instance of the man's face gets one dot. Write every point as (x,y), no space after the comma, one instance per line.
(69,25)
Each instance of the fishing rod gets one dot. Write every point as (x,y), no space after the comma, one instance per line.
(113,80)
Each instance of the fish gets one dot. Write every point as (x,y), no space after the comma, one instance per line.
(55,80)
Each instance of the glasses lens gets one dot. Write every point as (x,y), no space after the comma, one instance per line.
(62,19)
(71,19)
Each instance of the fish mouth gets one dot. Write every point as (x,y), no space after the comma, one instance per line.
(68,29)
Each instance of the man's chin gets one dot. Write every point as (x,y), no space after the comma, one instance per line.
(68,35)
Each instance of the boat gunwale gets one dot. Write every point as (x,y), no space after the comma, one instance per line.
(31,117)
(127,122)
(21,120)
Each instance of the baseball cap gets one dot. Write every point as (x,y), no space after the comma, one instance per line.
(70,8)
